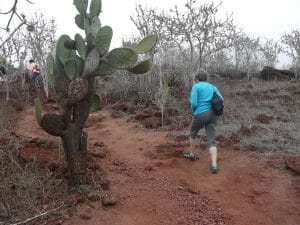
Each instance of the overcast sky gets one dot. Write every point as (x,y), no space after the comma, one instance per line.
(264,18)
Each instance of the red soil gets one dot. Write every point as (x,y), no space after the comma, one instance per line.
(150,183)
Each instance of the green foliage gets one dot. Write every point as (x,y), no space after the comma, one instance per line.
(121,58)
(105,69)
(103,39)
(38,110)
(95,26)
(80,46)
(142,67)
(59,67)
(81,6)
(146,44)
(79,64)
(61,51)
(96,103)
(95,8)
(71,68)
(50,69)
(79,20)
(70,44)
(50,65)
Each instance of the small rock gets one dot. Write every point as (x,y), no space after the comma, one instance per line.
(85,213)
(109,200)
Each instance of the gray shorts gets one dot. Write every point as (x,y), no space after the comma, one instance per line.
(209,121)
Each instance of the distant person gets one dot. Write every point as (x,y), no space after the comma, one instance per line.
(203,117)
(34,72)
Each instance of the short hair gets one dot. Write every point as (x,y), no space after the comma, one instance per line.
(201,75)
(31,61)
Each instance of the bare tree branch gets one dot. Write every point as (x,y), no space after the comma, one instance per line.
(12,33)
(13,8)
(38,216)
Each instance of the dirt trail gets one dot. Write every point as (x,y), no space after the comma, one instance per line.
(154,185)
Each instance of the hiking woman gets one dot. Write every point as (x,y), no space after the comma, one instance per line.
(203,116)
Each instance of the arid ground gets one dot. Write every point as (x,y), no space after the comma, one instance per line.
(145,180)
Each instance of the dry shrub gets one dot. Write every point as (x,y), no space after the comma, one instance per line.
(25,190)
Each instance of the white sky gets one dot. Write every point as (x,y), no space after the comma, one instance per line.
(264,18)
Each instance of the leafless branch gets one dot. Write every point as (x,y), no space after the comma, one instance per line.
(38,216)
(13,8)
(12,33)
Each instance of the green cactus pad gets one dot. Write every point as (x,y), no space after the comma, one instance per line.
(146,44)
(59,67)
(71,68)
(70,44)
(91,63)
(62,53)
(50,69)
(38,110)
(81,6)
(95,26)
(79,20)
(105,69)
(50,64)
(103,40)
(142,67)
(121,58)
(95,8)
(53,124)
(80,46)
(96,103)
(79,64)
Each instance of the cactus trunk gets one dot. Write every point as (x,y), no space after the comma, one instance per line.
(75,148)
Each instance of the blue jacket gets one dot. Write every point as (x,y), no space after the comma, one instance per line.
(201,96)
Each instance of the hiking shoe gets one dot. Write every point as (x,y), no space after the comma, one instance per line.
(188,155)
(214,169)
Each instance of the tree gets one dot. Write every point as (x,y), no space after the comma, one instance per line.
(12,13)
(245,53)
(73,69)
(34,41)
(291,43)
(270,50)
(197,32)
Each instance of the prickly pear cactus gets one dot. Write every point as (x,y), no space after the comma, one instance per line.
(72,70)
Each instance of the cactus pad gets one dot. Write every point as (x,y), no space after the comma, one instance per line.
(78,90)
(79,20)
(62,53)
(81,6)
(71,68)
(103,39)
(53,124)
(121,58)
(96,103)
(95,26)
(105,69)
(80,45)
(95,8)
(142,67)
(146,44)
